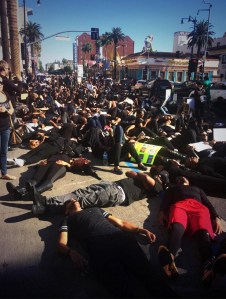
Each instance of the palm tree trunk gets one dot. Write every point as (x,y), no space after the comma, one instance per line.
(115,45)
(4,30)
(14,37)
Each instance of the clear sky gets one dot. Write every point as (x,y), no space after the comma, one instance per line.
(137,19)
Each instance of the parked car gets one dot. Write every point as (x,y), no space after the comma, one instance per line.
(140,84)
(218,91)
(158,88)
(184,89)
(125,85)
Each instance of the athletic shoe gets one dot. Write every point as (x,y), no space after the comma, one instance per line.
(118,171)
(19,162)
(142,167)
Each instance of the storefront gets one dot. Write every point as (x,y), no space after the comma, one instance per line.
(167,65)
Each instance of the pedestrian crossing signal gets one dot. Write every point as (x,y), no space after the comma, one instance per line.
(94,33)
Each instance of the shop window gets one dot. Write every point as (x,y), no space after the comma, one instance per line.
(179,76)
(223,59)
(171,76)
(162,75)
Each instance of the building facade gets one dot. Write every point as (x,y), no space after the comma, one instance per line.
(166,65)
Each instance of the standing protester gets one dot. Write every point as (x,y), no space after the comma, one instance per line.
(198,95)
(207,84)
(9,86)
(6,110)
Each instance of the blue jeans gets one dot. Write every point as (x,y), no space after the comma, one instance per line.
(4,140)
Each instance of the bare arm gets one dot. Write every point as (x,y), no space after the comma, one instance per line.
(127,226)
(62,247)
(147,181)
(129,128)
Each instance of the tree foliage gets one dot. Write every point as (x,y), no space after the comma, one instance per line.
(198,37)
(114,38)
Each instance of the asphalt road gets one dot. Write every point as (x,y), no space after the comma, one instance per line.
(31,267)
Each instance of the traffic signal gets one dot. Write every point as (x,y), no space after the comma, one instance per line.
(94,33)
(192,66)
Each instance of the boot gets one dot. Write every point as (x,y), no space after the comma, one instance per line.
(17,192)
(44,187)
(39,206)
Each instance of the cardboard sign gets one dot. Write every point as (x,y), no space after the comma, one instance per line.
(200,146)
(219,134)
(23,96)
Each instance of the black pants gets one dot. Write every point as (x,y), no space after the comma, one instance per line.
(43,151)
(118,262)
(202,239)
(211,185)
(48,173)
(119,152)
(147,131)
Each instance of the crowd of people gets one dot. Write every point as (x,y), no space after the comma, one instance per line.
(59,120)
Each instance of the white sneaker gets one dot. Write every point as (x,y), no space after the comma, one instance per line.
(19,162)
(11,162)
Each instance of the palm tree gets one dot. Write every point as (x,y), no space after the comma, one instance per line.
(198,37)
(32,33)
(98,44)
(4,31)
(14,37)
(86,48)
(105,41)
(115,37)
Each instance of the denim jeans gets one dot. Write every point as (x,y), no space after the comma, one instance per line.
(4,140)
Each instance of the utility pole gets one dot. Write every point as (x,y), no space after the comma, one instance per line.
(194,21)
(207,37)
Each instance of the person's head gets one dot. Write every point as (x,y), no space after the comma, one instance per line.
(4,68)
(204,136)
(182,180)
(71,206)
(34,143)
(191,162)
(199,85)
(162,176)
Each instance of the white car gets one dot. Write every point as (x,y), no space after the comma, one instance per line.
(218,91)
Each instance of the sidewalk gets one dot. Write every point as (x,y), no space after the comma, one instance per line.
(31,267)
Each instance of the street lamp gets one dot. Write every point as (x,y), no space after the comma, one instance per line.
(194,21)
(207,35)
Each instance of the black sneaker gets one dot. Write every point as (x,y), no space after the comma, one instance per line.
(118,171)
(16,192)
(142,167)
(10,187)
